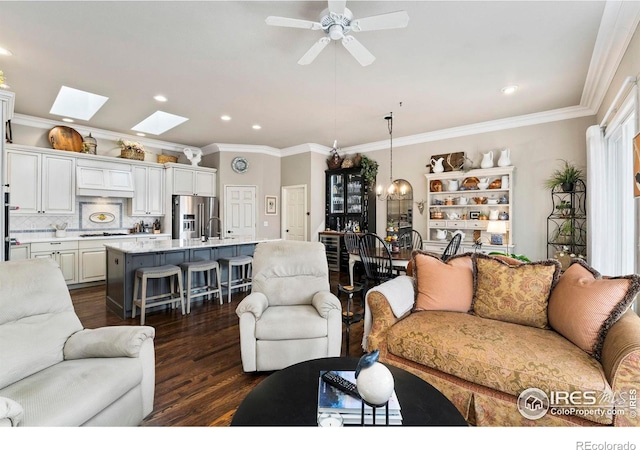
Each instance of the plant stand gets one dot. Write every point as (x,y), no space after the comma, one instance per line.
(567,223)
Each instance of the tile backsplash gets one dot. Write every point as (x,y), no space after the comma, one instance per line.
(93,214)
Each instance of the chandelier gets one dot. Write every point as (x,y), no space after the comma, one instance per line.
(396,189)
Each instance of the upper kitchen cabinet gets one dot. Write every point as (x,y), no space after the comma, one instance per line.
(189,180)
(148,191)
(41,183)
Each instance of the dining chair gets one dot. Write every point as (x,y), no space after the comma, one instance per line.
(452,247)
(416,240)
(352,244)
(377,261)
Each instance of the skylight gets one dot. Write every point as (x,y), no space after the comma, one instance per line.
(159,122)
(77,104)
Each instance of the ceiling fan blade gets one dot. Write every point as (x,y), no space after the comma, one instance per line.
(314,51)
(357,50)
(337,6)
(398,19)
(292,23)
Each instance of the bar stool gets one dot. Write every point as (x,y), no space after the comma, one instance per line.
(244,282)
(348,316)
(148,273)
(191,268)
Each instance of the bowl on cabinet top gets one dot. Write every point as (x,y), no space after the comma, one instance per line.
(492,201)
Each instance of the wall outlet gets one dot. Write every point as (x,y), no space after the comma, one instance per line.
(266,223)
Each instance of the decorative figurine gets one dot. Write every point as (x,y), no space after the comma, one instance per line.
(373,380)
(193,156)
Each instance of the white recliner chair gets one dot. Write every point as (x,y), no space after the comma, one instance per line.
(290,316)
(55,373)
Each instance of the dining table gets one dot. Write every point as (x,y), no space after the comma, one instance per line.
(400,259)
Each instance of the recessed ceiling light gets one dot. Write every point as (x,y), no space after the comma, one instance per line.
(160,98)
(509,89)
(4,51)
(141,134)
(77,104)
(66,119)
(159,122)
(225,118)
(256,127)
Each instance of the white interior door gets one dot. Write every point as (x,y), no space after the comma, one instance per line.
(294,200)
(240,211)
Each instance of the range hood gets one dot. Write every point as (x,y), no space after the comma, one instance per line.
(104,182)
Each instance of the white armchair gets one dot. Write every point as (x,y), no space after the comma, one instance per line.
(55,373)
(290,316)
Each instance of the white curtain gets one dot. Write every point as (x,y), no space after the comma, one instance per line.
(611,223)
(597,244)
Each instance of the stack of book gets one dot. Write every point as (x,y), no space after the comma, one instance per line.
(333,400)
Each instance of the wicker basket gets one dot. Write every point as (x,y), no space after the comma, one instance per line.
(167,159)
(129,153)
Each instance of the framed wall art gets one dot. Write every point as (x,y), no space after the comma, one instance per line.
(271,205)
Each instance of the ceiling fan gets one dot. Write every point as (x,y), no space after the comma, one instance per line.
(337,22)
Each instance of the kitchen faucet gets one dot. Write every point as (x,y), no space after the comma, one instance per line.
(209,227)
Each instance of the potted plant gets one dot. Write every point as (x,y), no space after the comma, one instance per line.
(369,170)
(565,233)
(565,177)
(564,208)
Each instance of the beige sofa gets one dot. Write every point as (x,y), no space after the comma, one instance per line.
(55,373)
(485,364)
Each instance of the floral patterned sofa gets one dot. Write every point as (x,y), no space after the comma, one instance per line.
(486,330)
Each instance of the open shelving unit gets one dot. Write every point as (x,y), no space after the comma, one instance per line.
(448,212)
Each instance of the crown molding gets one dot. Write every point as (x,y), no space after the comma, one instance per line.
(619,22)
(9,98)
(305,148)
(555,115)
(246,148)
(38,122)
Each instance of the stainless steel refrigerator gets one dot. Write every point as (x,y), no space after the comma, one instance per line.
(194,217)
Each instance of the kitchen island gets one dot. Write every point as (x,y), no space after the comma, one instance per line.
(123,259)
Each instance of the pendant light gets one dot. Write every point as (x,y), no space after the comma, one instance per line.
(396,189)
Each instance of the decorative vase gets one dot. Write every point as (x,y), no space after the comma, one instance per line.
(505,158)
(487,160)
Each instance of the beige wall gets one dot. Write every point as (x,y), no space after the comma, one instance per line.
(306,169)
(264,173)
(535,151)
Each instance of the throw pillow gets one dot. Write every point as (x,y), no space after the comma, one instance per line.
(584,305)
(442,286)
(516,293)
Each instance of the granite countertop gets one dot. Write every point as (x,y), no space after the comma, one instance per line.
(28,238)
(180,244)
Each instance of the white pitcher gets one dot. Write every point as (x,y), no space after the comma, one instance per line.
(437,166)
(452,185)
(441,234)
(505,158)
(493,214)
(487,160)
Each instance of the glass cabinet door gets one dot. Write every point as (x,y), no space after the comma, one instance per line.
(336,194)
(354,194)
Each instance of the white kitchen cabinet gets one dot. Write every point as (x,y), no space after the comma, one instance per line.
(40,183)
(148,192)
(92,258)
(190,181)
(19,252)
(153,238)
(65,253)
(102,178)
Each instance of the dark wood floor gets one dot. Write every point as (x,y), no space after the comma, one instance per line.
(199,376)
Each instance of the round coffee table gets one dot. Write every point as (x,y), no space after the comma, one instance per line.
(289,397)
